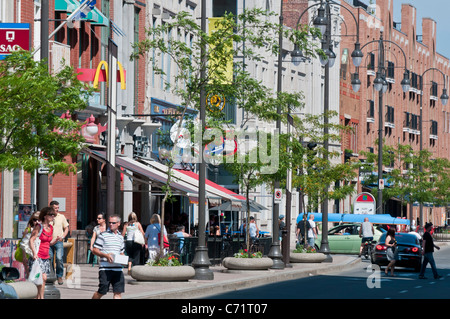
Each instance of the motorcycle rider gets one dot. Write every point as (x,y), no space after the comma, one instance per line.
(366,231)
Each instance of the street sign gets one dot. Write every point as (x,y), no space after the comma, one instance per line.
(278,195)
(364,203)
(14,37)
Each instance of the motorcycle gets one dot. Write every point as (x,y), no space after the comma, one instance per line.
(8,274)
(367,249)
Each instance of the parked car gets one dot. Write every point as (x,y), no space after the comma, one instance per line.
(409,252)
(344,238)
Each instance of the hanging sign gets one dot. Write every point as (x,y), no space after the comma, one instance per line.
(14,37)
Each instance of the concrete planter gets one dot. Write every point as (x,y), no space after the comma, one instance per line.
(24,289)
(233,263)
(306,257)
(162,273)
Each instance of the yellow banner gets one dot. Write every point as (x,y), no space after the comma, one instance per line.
(216,66)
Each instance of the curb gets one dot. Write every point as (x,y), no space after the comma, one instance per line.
(267,277)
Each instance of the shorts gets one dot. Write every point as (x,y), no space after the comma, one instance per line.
(43,263)
(111,277)
(364,239)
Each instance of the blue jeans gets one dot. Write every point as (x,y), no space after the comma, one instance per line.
(59,248)
(428,258)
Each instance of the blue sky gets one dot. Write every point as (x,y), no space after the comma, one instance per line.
(438,10)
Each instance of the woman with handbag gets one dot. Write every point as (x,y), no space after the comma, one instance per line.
(41,256)
(391,251)
(153,237)
(24,244)
(134,240)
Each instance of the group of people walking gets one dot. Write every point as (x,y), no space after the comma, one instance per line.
(42,241)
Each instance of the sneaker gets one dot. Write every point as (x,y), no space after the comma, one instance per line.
(60,281)
(438,277)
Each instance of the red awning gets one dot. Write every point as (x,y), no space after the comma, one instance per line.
(212,184)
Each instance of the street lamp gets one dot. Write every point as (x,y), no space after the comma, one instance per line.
(381,86)
(323,22)
(444,101)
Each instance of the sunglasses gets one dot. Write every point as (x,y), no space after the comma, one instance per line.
(51,214)
(113,223)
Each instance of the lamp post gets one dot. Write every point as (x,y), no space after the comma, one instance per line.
(380,85)
(201,261)
(444,101)
(275,249)
(322,21)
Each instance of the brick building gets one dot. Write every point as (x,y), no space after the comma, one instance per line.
(401,118)
(83,45)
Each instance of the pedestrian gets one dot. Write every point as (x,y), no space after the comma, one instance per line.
(152,234)
(27,253)
(181,234)
(253,229)
(281,226)
(60,229)
(41,255)
(108,244)
(366,231)
(302,229)
(132,248)
(391,251)
(98,229)
(427,252)
(312,232)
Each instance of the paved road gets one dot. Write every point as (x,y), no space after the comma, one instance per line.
(362,282)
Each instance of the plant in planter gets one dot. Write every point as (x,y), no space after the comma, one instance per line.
(306,254)
(163,268)
(300,249)
(243,253)
(167,260)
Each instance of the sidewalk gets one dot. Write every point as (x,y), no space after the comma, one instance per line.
(84,285)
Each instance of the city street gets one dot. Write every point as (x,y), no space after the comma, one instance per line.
(361,282)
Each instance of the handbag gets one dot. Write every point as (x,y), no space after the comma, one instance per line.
(166,241)
(139,238)
(36,273)
(18,255)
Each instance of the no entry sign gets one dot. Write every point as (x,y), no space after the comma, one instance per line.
(14,37)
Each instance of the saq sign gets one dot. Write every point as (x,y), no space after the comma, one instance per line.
(13,37)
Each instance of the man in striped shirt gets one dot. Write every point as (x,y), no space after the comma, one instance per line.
(108,244)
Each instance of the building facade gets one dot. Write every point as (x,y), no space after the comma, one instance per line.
(401,111)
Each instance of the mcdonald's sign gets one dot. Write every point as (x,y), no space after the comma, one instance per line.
(101,74)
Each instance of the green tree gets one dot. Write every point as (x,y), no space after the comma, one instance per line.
(30,128)
(414,176)
(252,28)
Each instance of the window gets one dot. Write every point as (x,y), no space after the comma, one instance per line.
(391,70)
(389,118)
(434,128)
(220,7)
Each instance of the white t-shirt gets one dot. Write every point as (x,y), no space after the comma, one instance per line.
(310,231)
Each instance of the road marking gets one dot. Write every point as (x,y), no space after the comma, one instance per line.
(418,287)
(403,291)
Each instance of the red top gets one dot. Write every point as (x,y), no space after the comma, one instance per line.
(44,248)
